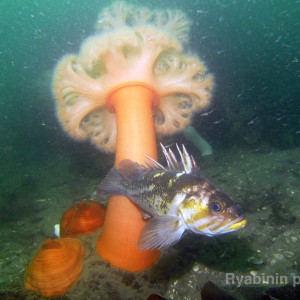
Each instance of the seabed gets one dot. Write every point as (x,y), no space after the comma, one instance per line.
(266,185)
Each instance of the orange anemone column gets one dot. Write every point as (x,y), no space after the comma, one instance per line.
(118,243)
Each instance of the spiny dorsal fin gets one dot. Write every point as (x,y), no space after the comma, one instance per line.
(187,161)
(170,158)
(157,165)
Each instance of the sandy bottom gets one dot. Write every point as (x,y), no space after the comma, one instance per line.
(267,185)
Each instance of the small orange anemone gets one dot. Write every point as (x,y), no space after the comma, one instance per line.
(84,217)
(55,267)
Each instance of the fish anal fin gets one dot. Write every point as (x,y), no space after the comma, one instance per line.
(161,232)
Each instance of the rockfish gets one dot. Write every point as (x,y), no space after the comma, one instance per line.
(175,199)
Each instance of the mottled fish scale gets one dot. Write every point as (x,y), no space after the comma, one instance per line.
(159,199)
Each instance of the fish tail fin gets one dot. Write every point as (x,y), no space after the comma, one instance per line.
(111,185)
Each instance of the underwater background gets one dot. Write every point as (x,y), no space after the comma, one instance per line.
(253,125)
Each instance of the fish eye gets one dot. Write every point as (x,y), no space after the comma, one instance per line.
(216,207)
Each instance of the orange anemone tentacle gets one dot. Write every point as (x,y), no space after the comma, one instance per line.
(118,243)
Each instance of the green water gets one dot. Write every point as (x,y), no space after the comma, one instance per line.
(252,48)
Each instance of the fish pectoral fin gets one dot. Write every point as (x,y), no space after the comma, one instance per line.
(161,232)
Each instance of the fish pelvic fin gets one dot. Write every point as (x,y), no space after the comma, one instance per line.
(161,232)
(111,185)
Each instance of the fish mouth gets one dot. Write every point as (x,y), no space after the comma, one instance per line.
(217,227)
(233,225)
(238,224)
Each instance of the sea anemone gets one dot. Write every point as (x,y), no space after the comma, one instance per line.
(84,217)
(56,267)
(138,46)
(129,82)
